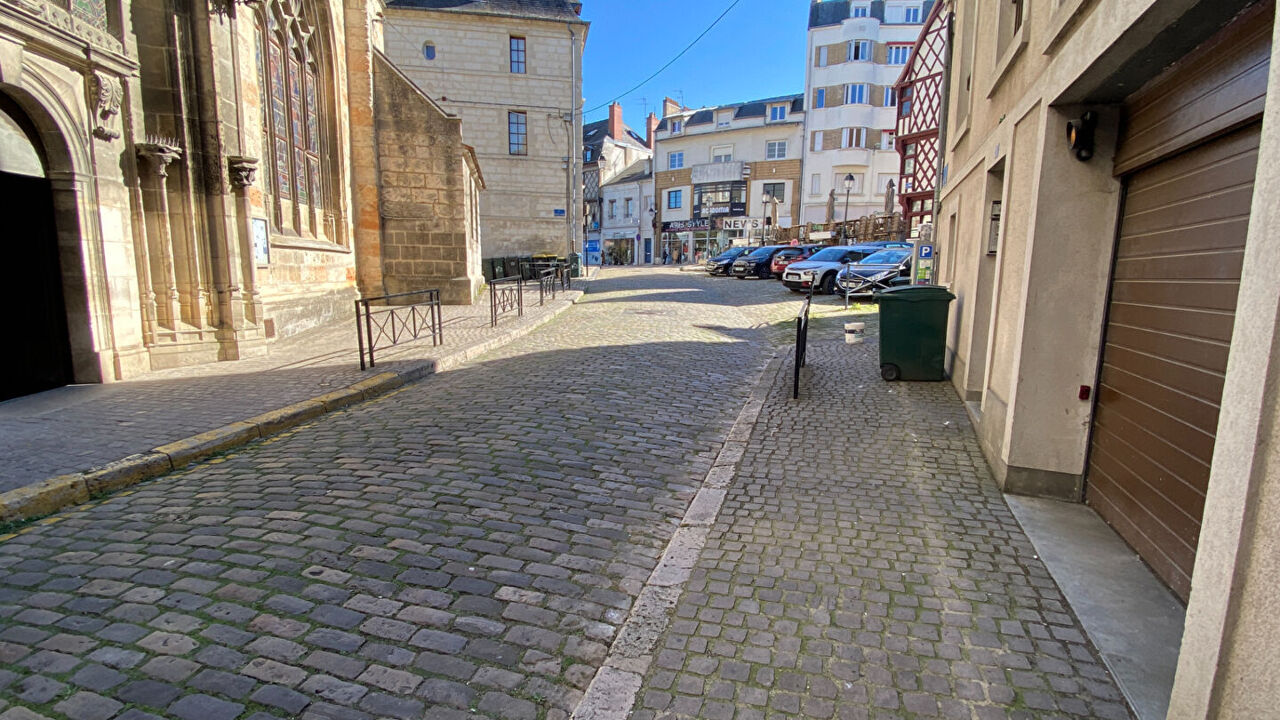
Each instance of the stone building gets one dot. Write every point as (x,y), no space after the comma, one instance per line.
(609,147)
(1108,224)
(723,174)
(856,51)
(512,70)
(628,214)
(195,179)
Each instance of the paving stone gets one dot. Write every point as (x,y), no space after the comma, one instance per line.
(389,679)
(37,689)
(217,682)
(333,689)
(204,707)
(275,696)
(148,692)
(88,706)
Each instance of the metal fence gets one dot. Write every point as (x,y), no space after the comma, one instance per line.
(505,294)
(380,325)
(547,285)
(802,344)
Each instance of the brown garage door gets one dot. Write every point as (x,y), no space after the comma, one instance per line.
(1173,298)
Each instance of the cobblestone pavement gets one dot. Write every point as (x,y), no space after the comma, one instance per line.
(864,565)
(74,428)
(469,545)
(470,542)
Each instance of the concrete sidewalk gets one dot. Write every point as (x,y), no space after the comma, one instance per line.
(63,445)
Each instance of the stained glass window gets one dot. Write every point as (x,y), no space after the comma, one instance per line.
(294,125)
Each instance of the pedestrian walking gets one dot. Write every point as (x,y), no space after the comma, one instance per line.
(666,256)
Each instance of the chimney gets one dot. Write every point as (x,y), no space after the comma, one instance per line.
(670,107)
(576,7)
(651,127)
(615,121)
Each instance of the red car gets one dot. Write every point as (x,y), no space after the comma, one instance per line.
(786,256)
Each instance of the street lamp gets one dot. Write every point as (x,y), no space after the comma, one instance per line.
(848,188)
(764,208)
(653,228)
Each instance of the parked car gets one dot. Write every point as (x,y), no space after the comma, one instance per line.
(757,263)
(881,270)
(819,270)
(890,243)
(795,253)
(722,264)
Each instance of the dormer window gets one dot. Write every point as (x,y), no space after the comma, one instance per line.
(911,15)
(677,126)
(860,11)
(777,113)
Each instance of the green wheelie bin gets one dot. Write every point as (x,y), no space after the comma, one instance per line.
(913,332)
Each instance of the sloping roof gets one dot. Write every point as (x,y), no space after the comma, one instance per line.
(594,134)
(536,9)
(828,13)
(637,170)
(752,108)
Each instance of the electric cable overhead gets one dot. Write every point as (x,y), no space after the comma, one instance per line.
(673,60)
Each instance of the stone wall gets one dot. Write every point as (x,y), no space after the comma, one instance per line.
(427,192)
(470,77)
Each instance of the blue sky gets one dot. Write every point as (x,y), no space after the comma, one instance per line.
(757,51)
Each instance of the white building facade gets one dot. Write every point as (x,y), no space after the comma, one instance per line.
(627,220)
(723,174)
(856,52)
(512,70)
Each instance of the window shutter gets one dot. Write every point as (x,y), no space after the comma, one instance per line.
(831,138)
(835,96)
(815,141)
(838,54)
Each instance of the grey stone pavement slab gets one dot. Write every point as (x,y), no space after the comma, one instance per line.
(1133,618)
(471,544)
(74,428)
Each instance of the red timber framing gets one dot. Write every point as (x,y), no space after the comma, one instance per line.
(920,91)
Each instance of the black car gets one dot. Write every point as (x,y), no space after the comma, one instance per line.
(722,264)
(880,271)
(759,263)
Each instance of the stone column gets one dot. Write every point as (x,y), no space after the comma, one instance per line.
(163,276)
(242,171)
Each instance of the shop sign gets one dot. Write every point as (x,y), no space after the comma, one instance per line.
(712,210)
(739,223)
(677,226)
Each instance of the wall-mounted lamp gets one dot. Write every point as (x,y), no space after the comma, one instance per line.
(1080,135)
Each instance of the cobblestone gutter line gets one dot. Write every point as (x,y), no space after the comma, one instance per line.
(612,691)
(53,494)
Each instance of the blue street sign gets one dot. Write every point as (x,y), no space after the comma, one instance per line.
(592,246)
(926,252)
(559,212)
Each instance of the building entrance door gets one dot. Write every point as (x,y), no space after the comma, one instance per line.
(648,251)
(40,356)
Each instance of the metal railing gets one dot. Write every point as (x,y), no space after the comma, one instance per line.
(547,282)
(505,294)
(382,326)
(802,344)
(533,270)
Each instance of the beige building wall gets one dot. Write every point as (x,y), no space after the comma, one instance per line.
(470,77)
(1026,328)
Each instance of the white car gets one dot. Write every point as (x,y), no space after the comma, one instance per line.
(819,270)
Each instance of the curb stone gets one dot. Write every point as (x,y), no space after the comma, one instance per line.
(613,690)
(48,496)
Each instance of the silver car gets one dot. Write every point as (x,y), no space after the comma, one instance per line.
(819,270)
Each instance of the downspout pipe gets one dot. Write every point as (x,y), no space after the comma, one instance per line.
(571,213)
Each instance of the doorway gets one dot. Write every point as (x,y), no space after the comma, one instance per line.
(39,355)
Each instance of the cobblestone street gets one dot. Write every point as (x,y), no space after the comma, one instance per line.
(471,545)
